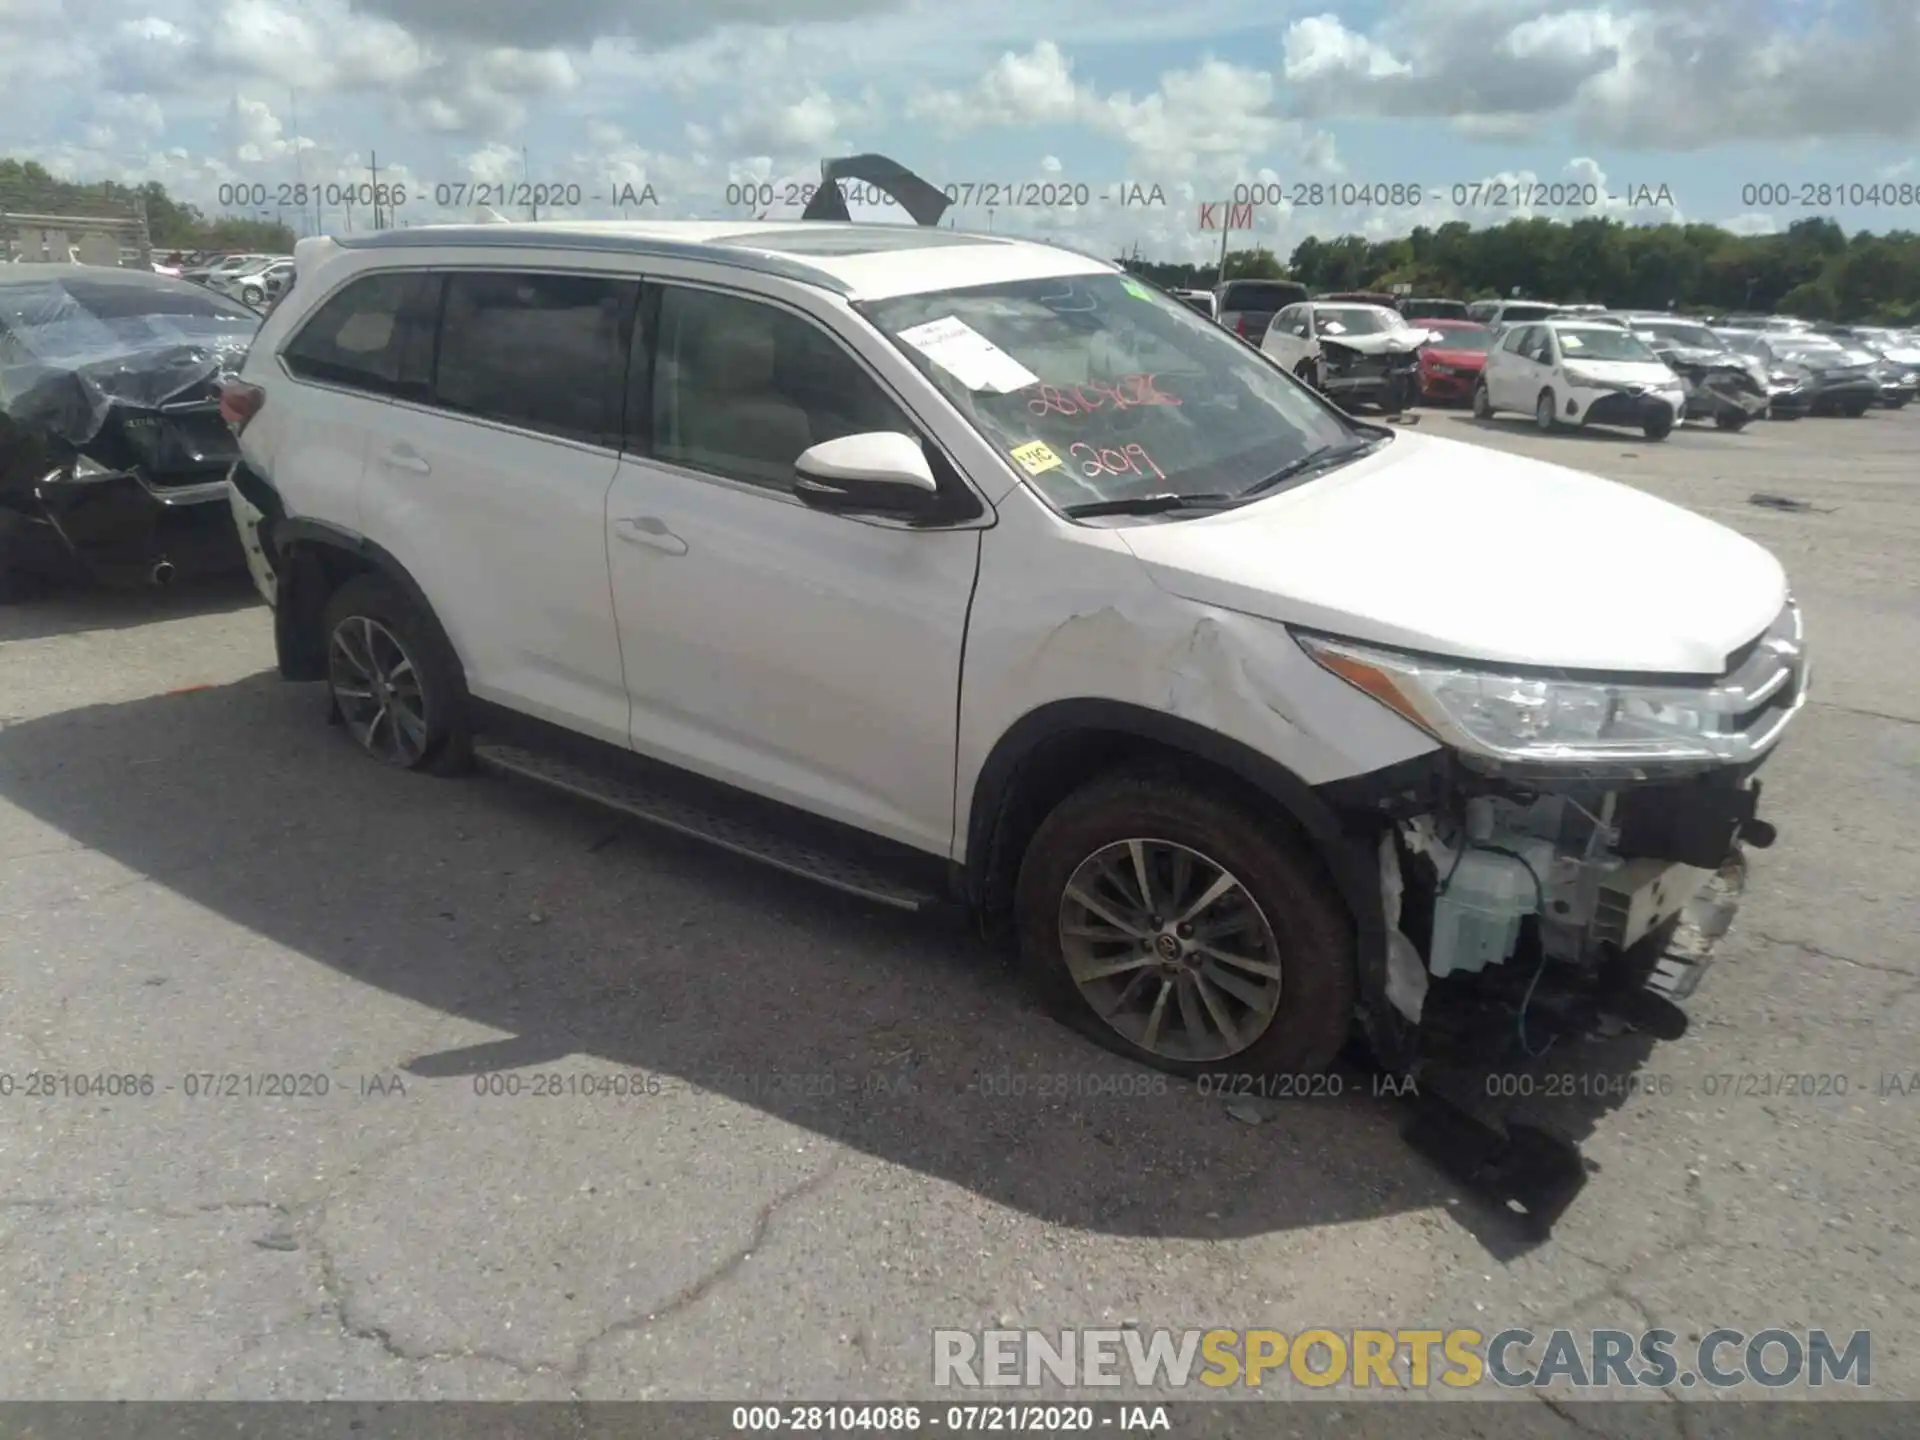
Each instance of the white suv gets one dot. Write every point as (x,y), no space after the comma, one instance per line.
(937,565)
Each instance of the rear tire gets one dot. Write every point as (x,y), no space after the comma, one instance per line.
(1854,409)
(394,680)
(1731,420)
(1658,428)
(1278,911)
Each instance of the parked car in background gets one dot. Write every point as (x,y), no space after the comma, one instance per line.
(1724,385)
(1430,307)
(113,454)
(216,272)
(1246,307)
(1450,363)
(1225,728)
(257,286)
(1899,364)
(1499,314)
(1356,354)
(1359,297)
(1200,300)
(1570,373)
(1790,386)
(1842,380)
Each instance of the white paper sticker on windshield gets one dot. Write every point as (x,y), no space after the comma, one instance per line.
(1571,341)
(967,355)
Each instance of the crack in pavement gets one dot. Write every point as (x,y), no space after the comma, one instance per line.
(706,1284)
(1568,1410)
(1698,1236)
(1807,947)
(1868,714)
(336,1292)
(338,1300)
(60,1206)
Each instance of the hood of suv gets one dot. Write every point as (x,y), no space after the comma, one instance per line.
(1453,549)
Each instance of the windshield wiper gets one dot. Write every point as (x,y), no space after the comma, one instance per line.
(1323,458)
(1149,505)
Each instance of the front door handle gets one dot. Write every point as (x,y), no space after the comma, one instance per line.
(651,531)
(402,458)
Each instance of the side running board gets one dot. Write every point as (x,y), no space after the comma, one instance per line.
(757,839)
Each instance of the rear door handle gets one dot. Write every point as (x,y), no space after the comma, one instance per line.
(651,531)
(401,457)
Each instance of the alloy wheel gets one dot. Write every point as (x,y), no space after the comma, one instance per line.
(1170,949)
(377,688)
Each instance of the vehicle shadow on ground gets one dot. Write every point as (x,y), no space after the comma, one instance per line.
(72,608)
(580,934)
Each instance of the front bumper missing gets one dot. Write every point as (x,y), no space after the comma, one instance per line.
(1704,919)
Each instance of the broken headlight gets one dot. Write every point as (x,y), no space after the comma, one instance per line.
(1589,724)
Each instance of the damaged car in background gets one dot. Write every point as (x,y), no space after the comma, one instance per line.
(1355,353)
(1722,384)
(113,453)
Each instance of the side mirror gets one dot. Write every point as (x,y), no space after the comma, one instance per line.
(878,472)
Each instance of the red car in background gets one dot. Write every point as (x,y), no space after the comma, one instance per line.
(1450,365)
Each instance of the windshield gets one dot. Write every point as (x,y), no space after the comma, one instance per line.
(1697,336)
(1354,320)
(1603,342)
(1461,338)
(1100,389)
(1510,314)
(1433,309)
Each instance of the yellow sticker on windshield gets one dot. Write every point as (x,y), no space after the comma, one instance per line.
(1136,289)
(1036,458)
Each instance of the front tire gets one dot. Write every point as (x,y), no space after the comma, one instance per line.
(1854,409)
(1250,970)
(1308,374)
(1482,402)
(1546,417)
(253,295)
(395,682)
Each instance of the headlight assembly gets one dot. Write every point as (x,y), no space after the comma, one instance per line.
(1495,720)
(1591,382)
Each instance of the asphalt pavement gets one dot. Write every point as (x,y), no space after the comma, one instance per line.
(385,1087)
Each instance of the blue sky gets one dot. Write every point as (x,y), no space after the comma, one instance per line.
(1693,105)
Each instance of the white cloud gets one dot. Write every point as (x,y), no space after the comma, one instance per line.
(1658,74)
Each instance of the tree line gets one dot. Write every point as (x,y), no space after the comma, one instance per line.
(1813,268)
(29,188)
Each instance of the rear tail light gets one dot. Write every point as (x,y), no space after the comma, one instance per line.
(240,403)
(1240,325)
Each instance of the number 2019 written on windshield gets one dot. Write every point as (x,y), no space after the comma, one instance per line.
(1124,394)
(1098,460)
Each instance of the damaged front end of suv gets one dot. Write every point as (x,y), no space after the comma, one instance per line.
(1563,868)
(113,453)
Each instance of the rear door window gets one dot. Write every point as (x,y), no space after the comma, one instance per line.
(538,352)
(376,335)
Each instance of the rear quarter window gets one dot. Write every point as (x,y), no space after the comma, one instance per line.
(375,335)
